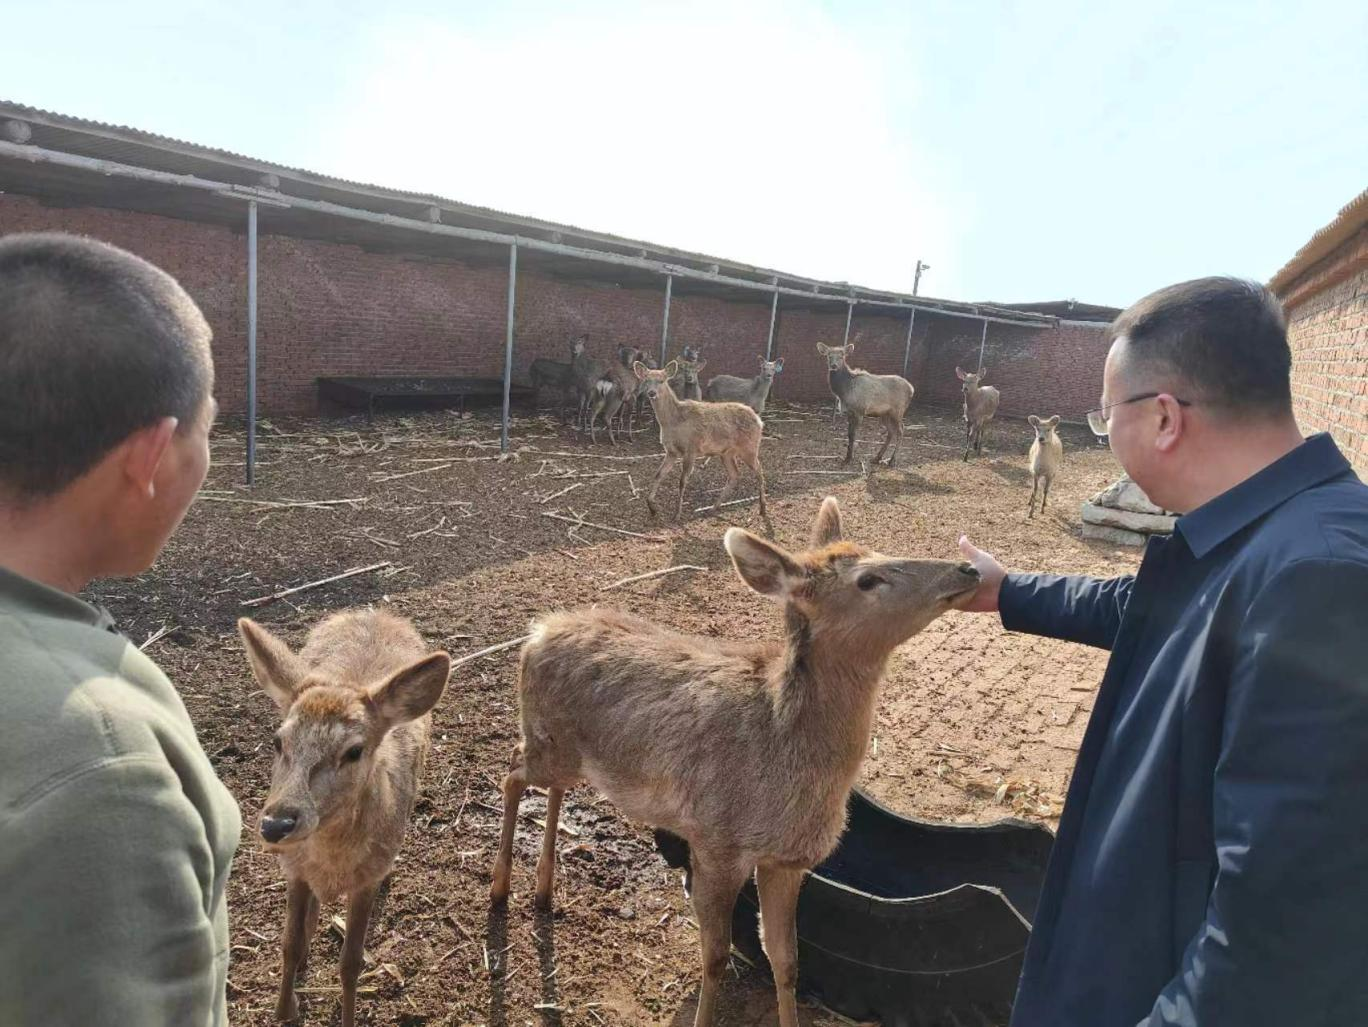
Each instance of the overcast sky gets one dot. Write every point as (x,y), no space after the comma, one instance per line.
(1026,151)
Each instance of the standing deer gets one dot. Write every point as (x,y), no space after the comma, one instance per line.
(555,374)
(685,380)
(980,404)
(690,429)
(349,755)
(616,390)
(587,373)
(744,750)
(753,392)
(861,394)
(1047,457)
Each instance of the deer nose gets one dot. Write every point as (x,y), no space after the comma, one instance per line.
(968,569)
(273,829)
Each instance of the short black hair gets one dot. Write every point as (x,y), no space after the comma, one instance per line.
(1225,337)
(95,344)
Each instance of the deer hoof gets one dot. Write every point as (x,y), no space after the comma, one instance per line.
(287,1010)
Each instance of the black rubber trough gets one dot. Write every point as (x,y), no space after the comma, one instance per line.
(910,922)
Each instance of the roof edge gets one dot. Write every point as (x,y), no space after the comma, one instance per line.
(1352,216)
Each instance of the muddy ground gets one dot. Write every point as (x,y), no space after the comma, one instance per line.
(966,710)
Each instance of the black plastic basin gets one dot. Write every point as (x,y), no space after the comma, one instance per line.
(914,923)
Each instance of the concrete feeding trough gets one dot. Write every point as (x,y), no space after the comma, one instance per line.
(1123,514)
(910,922)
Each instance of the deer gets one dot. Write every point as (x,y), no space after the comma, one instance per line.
(690,429)
(743,752)
(1047,457)
(980,404)
(621,394)
(555,374)
(861,394)
(753,392)
(587,375)
(685,380)
(355,706)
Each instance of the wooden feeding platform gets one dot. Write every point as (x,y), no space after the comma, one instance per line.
(415,391)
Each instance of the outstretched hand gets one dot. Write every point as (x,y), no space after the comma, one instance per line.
(991,574)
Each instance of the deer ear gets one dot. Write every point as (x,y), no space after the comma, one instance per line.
(700,365)
(826,528)
(639,369)
(983,373)
(850,347)
(958,373)
(822,349)
(277,670)
(1053,422)
(764,567)
(1034,421)
(779,364)
(672,369)
(411,691)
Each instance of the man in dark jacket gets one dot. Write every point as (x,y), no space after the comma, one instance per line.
(1211,867)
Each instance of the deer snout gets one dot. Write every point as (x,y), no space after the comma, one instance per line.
(967,569)
(275,827)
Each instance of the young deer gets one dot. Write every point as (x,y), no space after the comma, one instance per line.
(690,429)
(1047,457)
(753,392)
(745,750)
(349,756)
(980,404)
(861,394)
(685,380)
(586,375)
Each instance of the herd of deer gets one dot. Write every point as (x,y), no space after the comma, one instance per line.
(692,735)
(723,418)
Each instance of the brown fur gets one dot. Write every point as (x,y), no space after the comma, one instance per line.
(1047,457)
(754,392)
(586,372)
(362,681)
(745,749)
(621,393)
(690,429)
(861,394)
(980,406)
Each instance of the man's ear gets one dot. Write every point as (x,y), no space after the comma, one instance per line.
(763,566)
(1172,423)
(277,670)
(144,452)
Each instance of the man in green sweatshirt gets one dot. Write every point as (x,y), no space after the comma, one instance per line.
(115,835)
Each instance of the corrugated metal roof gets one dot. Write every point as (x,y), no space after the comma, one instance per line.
(1352,216)
(127,145)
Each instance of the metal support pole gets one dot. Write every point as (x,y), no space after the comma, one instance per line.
(850,309)
(508,344)
(774,313)
(251,339)
(665,327)
(907,352)
(982,342)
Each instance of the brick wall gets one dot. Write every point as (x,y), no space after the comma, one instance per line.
(1044,371)
(1327,315)
(332,309)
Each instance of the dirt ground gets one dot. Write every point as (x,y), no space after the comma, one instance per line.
(966,709)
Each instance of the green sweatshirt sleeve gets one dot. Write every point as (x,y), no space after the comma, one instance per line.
(114,922)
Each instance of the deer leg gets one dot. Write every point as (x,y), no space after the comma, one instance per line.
(292,951)
(714,896)
(969,443)
(1030,507)
(546,866)
(888,438)
(778,888)
(852,426)
(1045,496)
(665,466)
(513,787)
(359,906)
(897,427)
(310,926)
(753,460)
(733,470)
(685,470)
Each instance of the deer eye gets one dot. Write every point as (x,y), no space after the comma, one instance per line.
(275,744)
(353,754)
(869,580)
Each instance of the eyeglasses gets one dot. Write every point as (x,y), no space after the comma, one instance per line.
(1099,420)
